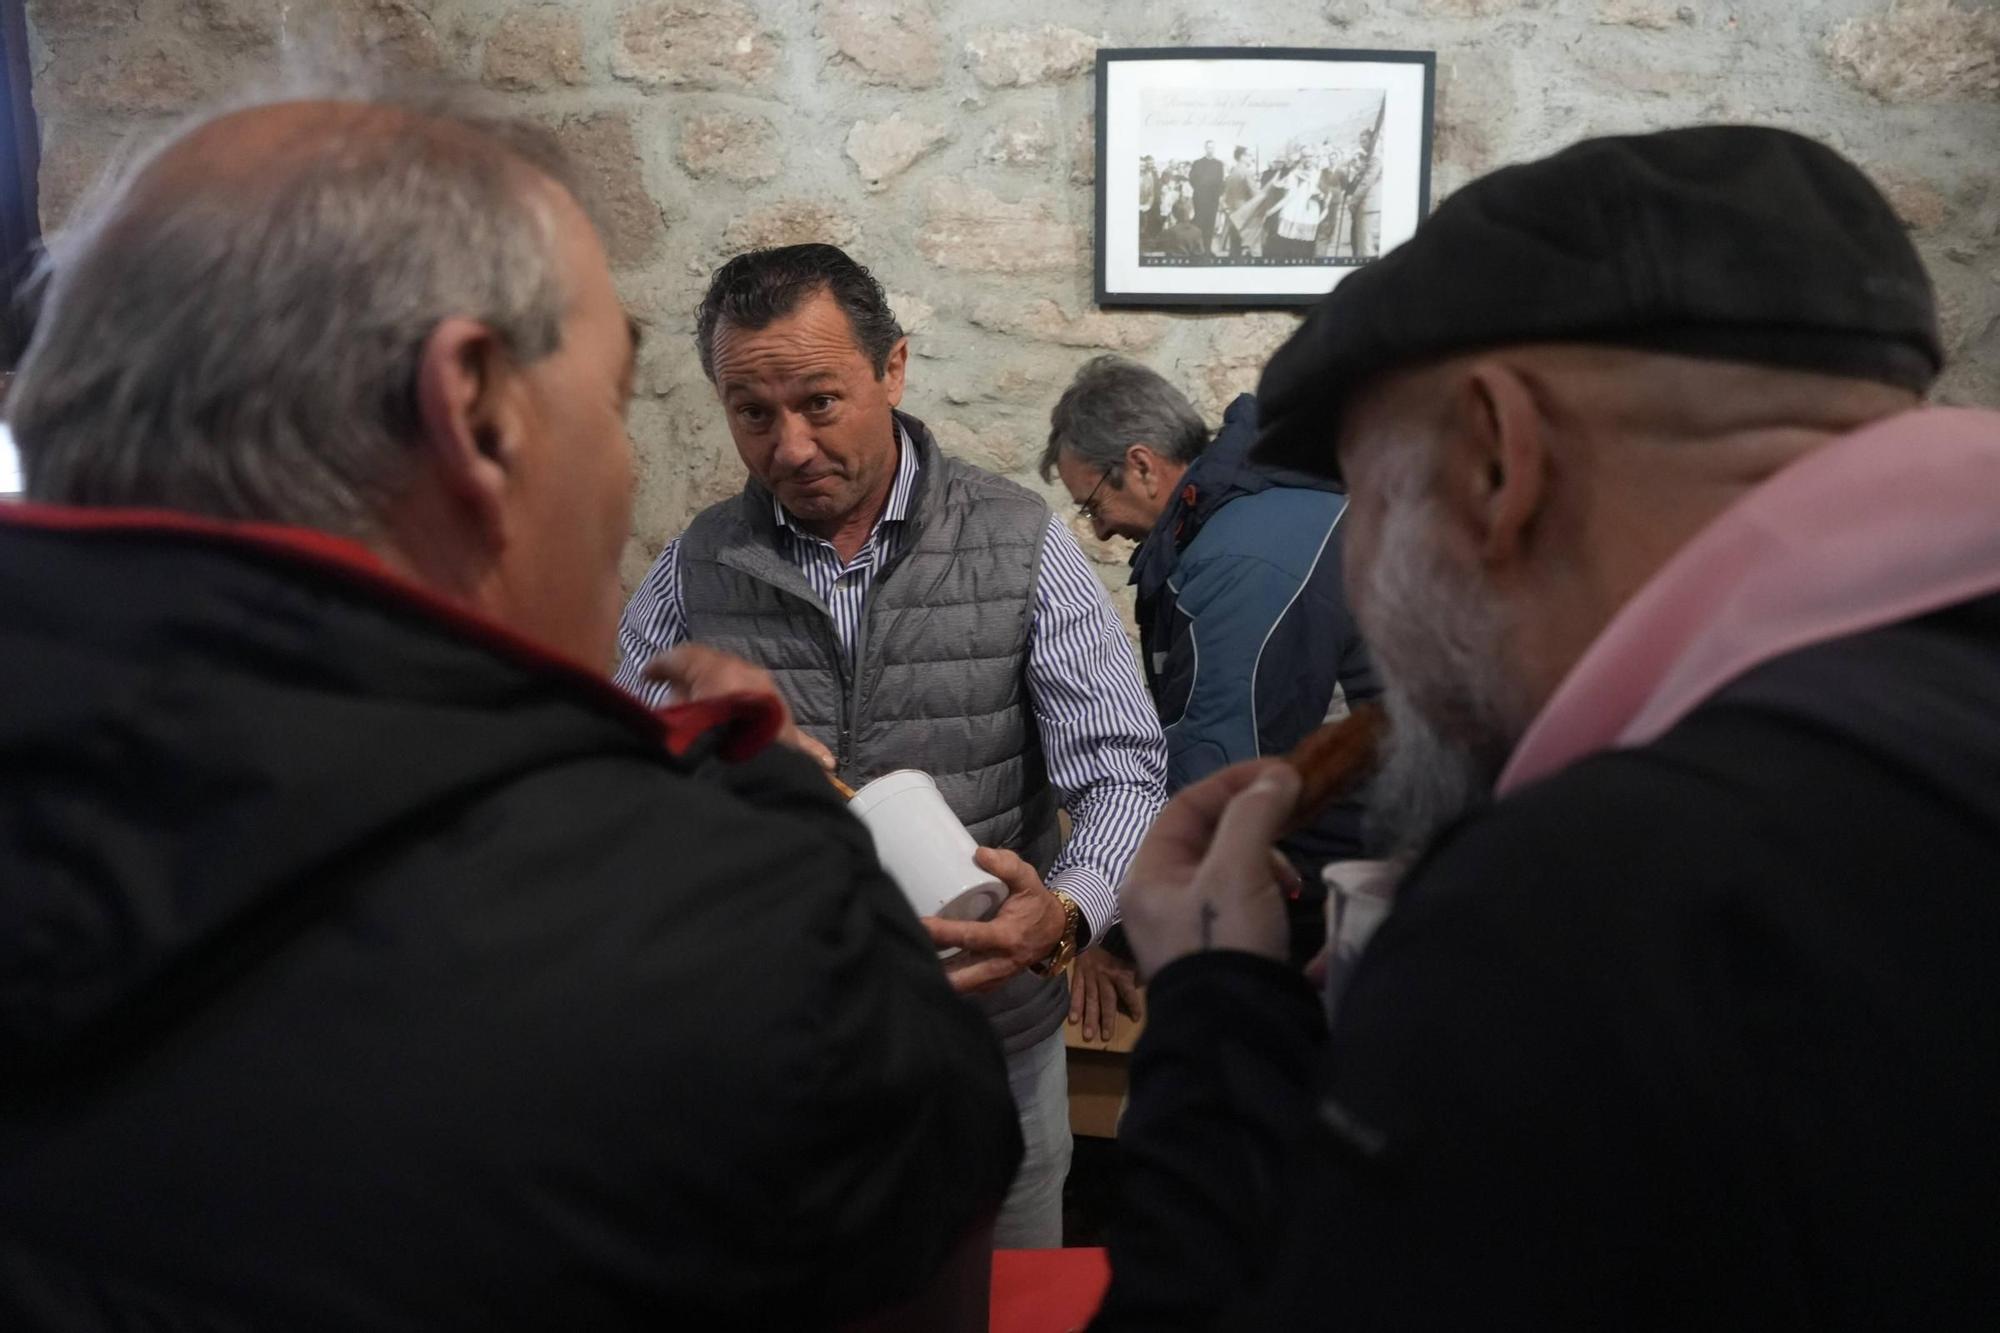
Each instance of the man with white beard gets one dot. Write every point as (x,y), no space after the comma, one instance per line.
(1688,616)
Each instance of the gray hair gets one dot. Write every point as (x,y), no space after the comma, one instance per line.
(1439,644)
(1113,404)
(248,349)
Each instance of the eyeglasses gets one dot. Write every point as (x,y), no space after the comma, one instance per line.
(1087,507)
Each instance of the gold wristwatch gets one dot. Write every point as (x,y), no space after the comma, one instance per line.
(1060,956)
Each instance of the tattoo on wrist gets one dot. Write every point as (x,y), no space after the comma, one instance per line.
(1208,915)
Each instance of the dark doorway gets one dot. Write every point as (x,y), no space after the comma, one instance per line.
(20,160)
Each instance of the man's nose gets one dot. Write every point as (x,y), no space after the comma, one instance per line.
(796,446)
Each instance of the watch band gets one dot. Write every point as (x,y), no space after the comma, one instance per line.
(1065,950)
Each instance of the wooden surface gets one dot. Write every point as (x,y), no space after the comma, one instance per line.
(1098,1076)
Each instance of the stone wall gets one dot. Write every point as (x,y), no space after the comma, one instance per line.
(949,144)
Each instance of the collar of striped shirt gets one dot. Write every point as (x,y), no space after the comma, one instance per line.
(900,492)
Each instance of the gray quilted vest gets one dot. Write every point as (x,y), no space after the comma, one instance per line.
(939,680)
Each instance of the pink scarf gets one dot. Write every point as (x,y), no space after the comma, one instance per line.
(1895,521)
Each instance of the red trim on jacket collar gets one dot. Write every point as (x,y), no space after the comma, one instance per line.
(742,724)
(748,722)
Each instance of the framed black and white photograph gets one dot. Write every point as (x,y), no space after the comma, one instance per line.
(1255,176)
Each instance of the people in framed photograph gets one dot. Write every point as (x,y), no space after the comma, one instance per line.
(1238,189)
(1327,166)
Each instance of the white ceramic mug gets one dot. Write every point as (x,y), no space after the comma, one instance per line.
(925,849)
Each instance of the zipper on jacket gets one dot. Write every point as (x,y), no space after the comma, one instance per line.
(843,746)
(850,699)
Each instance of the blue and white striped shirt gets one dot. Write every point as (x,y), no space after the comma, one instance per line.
(1107,759)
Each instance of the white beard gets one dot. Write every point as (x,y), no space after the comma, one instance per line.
(1438,643)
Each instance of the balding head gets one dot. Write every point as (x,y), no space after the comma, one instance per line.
(332,314)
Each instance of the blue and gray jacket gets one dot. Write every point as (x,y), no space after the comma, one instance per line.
(1247,639)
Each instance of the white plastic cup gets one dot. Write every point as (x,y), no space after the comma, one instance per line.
(1358,897)
(925,849)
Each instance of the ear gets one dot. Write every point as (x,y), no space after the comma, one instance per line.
(1497,465)
(468,407)
(892,371)
(1143,466)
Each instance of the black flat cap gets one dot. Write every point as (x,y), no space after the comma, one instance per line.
(1731,242)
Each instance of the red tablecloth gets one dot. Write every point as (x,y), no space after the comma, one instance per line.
(1047,1291)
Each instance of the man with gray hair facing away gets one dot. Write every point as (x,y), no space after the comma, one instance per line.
(1243,625)
(916,612)
(368,960)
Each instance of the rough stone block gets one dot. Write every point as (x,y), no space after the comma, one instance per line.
(1046,321)
(885,150)
(1917,202)
(1652,15)
(790,222)
(63,18)
(693,44)
(75,158)
(137,79)
(1033,383)
(913,312)
(237,23)
(1463,134)
(614,182)
(393,33)
(886,41)
(1083,152)
(1241,347)
(734,146)
(1116,552)
(1020,57)
(968,227)
(1954,323)
(1021,142)
(996,450)
(1625,65)
(1922,51)
(1469,9)
(536,48)
(1016,382)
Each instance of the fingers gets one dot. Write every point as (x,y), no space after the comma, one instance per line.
(1212,795)
(1251,822)
(1077,987)
(972,936)
(1316,969)
(1287,874)
(696,671)
(682,667)
(1009,869)
(969,974)
(1190,818)
(1129,998)
(1095,1026)
(809,747)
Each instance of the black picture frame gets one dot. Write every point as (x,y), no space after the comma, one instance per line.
(1137,267)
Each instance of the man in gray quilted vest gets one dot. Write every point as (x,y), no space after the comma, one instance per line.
(914,612)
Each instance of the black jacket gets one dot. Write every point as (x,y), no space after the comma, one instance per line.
(1695,1036)
(361,968)
(1244,626)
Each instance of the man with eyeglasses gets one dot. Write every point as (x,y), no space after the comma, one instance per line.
(914,612)
(1243,624)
